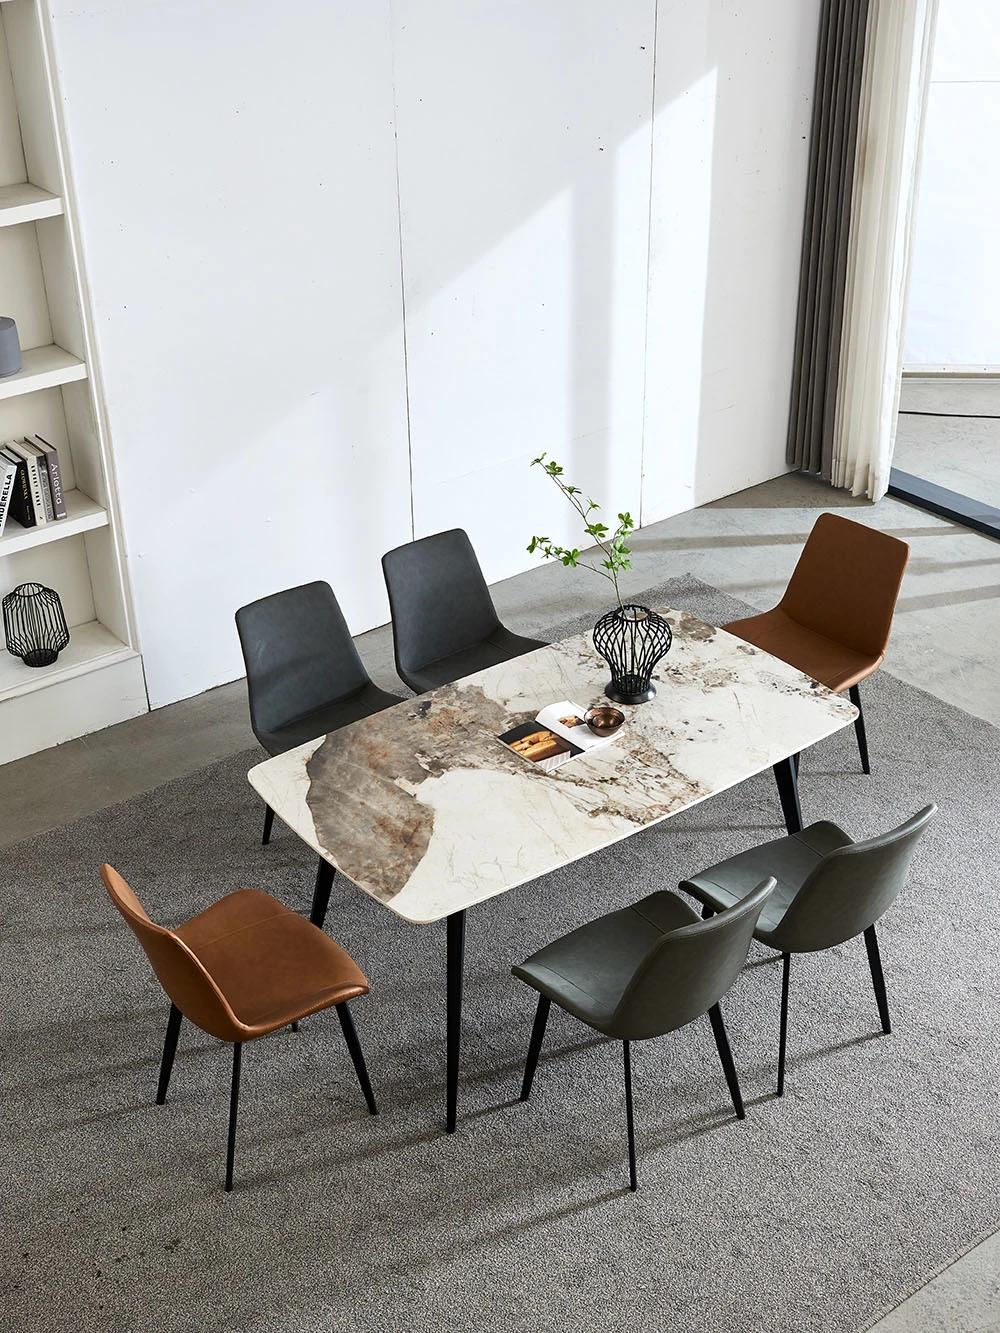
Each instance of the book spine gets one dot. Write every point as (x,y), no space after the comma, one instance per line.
(22,508)
(42,464)
(35,482)
(6,490)
(55,478)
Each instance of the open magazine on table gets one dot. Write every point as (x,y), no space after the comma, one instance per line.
(557,735)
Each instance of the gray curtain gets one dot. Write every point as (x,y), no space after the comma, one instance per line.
(823,276)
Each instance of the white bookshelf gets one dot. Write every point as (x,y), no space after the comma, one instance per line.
(97,679)
(90,643)
(22,202)
(82,515)
(43,368)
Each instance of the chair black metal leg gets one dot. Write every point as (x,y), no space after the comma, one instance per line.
(321,893)
(878,978)
(788,791)
(859,727)
(633,1182)
(453,1007)
(707,912)
(796,764)
(234,1106)
(169,1047)
(354,1046)
(726,1057)
(786,967)
(268,825)
(295,1027)
(535,1046)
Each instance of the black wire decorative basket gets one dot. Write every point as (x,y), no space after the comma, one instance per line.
(34,624)
(632,639)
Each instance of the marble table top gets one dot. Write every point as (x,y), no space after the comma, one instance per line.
(424,808)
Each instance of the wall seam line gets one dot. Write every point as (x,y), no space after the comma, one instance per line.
(402,275)
(649,269)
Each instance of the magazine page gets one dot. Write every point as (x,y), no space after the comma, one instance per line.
(538,745)
(566,720)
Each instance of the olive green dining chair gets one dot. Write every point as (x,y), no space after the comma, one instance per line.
(641,972)
(830,889)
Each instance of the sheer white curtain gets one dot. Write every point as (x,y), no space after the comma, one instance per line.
(894,91)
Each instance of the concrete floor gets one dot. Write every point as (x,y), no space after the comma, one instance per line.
(947,626)
(965,1298)
(960,450)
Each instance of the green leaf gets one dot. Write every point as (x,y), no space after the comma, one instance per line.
(616,552)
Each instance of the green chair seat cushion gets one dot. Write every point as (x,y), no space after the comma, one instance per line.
(587,971)
(790,860)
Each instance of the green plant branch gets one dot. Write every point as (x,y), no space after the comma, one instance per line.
(552,552)
(584,513)
(616,553)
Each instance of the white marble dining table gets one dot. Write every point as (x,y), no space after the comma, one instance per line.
(423,808)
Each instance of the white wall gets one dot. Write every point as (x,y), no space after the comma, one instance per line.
(733,104)
(236,167)
(954,306)
(524,149)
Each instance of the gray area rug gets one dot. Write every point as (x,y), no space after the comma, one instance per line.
(816,1213)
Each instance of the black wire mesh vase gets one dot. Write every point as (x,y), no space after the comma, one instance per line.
(632,639)
(34,624)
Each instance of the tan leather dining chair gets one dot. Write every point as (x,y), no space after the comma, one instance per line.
(239,970)
(834,620)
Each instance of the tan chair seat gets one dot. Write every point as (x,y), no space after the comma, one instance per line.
(242,968)
(272,965)
(833,664)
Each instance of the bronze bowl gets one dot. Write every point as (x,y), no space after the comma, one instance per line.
(604,720)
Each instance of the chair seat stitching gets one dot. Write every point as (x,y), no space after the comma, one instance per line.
(240,930)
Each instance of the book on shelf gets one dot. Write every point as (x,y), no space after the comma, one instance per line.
(21,508)
(56,490)
(36,482)
(8,476)
(39,496)
(557,735)
(46,485)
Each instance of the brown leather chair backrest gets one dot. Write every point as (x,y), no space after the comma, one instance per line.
(187,983)
(846,583)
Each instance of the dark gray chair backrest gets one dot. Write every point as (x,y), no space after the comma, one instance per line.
(689,970)
(438,599)
(299,655)
(850,889)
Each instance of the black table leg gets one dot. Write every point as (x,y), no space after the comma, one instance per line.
(456,964)
(859,728)
(788,789)
(321,893)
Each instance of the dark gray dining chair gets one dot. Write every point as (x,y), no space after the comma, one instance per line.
(304,675)
(444,623)
(641,972)
(830,890)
